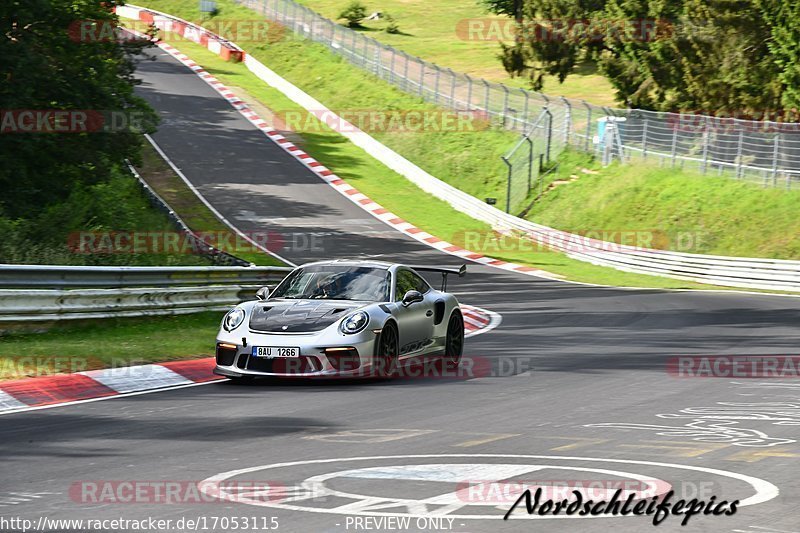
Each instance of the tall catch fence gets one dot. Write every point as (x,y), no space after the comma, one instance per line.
(764,152)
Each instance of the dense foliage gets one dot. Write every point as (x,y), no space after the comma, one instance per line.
(723,56)
(48,63)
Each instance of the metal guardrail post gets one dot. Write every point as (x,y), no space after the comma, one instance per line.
(644,140)
(740,155)
(487,102)
(530,162)
(391,66)
(436,85)
(775,152)
(546,110)
(508,185)
(567,120)
(505,104)
(588,124)
(706,134)
(452,88)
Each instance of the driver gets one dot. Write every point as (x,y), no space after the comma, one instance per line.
(327,287)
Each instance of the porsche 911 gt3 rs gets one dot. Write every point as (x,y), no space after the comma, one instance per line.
(342,318)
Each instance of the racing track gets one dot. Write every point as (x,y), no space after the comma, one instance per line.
(597,356)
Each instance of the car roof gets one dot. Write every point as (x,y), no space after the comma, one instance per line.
(353,262)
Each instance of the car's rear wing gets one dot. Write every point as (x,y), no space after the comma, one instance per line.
(445,271)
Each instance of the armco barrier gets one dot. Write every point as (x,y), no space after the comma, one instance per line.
(47,293)
(222,47)
(750,273)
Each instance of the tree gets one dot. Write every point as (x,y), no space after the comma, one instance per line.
(716,56)
(354,13)
(46,65)
(782,19)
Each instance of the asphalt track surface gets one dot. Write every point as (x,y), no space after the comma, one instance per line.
(565,356)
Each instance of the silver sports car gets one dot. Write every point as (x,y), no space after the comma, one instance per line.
(342,318)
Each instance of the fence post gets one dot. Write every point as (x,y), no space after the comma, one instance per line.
(567,120)
(549,132)
(452,89)
(541,178)
(486,104)
(525,108)
(508,185)
(505,103)
(705,147)
(588,123)
(421,78)
(469,91)
(530,162)
(740,155)
(775,152)
(436,85)
(405,70)
(391,65)
(674,144)
(644,140)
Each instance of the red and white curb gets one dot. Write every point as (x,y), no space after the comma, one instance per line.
(340,185)
(63,389)
(46,391)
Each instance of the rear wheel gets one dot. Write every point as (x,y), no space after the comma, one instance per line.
(387,351)
(454,341)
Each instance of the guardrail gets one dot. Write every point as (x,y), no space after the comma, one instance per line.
(38,294)
(749,273)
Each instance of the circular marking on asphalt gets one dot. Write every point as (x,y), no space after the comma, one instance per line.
(449,502)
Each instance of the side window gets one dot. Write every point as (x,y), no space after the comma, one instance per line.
(405,283)
(420,284)
(409,281)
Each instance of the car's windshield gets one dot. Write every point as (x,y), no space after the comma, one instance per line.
(336,282)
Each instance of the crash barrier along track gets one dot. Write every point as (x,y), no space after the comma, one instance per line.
(750,273)
(47,293)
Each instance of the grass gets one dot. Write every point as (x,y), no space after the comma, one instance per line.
(185,203)
(680,211)
(108,343)
(439,32)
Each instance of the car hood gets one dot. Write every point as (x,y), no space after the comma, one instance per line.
(299,316)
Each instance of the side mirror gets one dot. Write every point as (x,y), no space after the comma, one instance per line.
(262,293)
(412,297)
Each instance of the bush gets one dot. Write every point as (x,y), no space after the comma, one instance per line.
(354,13)
(391,24)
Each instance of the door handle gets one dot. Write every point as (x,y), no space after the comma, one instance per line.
(429,313)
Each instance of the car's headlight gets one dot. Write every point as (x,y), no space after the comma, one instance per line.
(233,319)
(355,322)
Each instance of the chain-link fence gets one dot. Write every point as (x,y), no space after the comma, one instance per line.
(765,152)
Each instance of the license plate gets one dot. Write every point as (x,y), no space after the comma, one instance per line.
(271,352)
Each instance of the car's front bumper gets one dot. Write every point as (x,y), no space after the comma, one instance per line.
(321,355)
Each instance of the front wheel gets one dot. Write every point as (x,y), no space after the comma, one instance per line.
(454,341)
(386,352)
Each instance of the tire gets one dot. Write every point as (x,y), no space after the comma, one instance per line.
(386,351)
(454,341)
